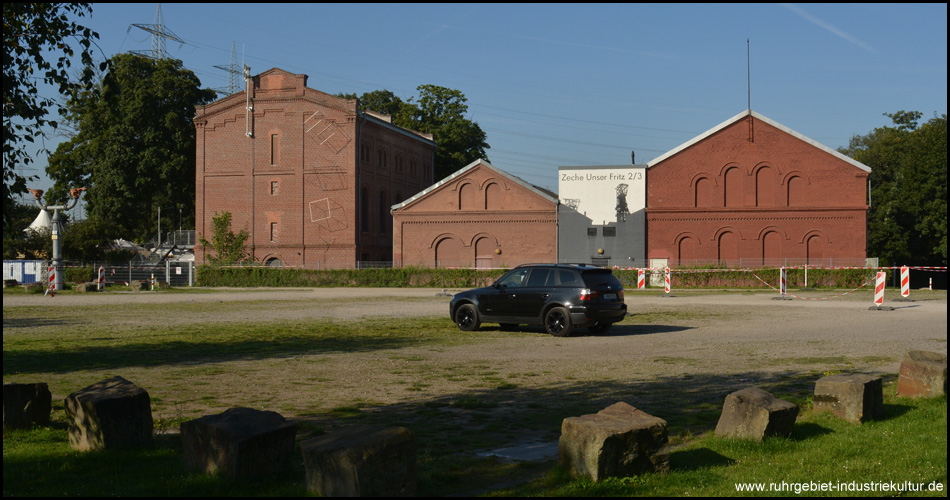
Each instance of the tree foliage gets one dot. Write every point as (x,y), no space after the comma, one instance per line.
(33,32)
(228,247)
(135,145)
(907,222)
(20,244)
(439,111)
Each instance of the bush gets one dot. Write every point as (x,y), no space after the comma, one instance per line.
(406,277)
(713,277)
(417,277)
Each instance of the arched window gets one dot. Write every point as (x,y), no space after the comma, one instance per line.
(467,196)
(704,193)
(733,187)
(765,187)
(815,249)
(796,192)
(383,213)
(364,210)
(688,250)
(493,197)
(728,248)
(771,248)
(448,252)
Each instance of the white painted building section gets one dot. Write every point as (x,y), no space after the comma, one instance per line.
(601,193)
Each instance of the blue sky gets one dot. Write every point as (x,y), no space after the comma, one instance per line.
(571,84)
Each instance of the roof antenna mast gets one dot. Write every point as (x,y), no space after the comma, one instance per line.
(748,59)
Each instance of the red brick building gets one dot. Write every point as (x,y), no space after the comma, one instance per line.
(479,216)
(751,192)
(309,175)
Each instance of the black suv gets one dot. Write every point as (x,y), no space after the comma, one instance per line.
(561,297)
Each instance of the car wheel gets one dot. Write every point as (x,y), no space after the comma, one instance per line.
(599,327)
(558,322)
(466,317)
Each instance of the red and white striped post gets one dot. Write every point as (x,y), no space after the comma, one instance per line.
(905,281)
(51,287)
(101,282)
(783,286)
(879,289)
(667,280)
(641,279)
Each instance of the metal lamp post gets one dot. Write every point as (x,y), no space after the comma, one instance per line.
(55,227)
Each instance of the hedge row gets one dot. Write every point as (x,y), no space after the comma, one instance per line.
(467,278)
(394,278)
(795,278)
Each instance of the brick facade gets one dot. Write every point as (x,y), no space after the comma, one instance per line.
(479,216)
(309,175)
(753,191)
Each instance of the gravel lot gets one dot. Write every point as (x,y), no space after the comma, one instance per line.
(688,332)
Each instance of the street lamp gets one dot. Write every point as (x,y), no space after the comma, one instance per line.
(55,226)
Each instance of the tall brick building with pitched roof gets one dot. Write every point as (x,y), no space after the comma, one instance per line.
(751,191)
(309,175)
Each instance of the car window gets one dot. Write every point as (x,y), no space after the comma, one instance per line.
(567,278)
(541,277)
(600,278)
(514,278)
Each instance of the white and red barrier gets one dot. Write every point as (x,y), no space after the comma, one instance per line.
(667,280)
(879,288)
(783,282)
(101,282)
(641,279)
(905,281)
(51,287)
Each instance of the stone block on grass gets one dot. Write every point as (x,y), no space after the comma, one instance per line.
(855,397)
(110,414)
(25,405)
(753,413)
(618,441)
(922,374)
(87,287)
(361,461)
(240,443)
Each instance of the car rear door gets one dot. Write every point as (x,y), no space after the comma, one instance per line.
(532,297)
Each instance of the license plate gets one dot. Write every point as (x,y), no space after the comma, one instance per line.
(610,296)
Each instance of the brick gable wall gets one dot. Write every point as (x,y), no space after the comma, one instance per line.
(726,198)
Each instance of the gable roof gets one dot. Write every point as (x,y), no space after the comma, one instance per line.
(543,193)
(763,119)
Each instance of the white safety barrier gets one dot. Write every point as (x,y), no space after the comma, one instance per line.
(879,289)
(667,280)
(52,282)
(783,282)
(101,282)
(905,281)
(641,279)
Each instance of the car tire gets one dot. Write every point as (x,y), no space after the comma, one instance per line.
(599,328)
(466,318)
(557,322)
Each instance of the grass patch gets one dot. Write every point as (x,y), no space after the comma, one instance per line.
(822,449)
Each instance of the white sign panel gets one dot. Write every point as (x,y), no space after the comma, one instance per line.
(603,194)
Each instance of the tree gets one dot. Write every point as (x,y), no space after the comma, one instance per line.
(440,111)
(20,244)
(135,145)
(907,221)
(227,246)
(31,33)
